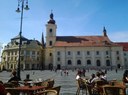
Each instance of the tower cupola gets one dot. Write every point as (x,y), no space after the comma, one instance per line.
(51,20)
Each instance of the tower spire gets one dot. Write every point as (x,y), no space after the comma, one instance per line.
(104,32)
(51,20)
(51,15)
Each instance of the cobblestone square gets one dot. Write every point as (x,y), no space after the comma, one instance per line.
(68,83)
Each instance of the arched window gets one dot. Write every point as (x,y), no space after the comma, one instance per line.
(98,63)
(107,62)
(50,30)
(88,62)
(69,62)
(78,62)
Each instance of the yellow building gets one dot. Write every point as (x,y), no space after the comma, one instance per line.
(30,56)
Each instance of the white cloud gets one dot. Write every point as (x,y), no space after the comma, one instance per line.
(119,36)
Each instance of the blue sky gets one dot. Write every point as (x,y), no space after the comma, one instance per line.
(73,18)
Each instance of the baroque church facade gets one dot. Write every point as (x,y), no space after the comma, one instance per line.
(80,51)
(65,52)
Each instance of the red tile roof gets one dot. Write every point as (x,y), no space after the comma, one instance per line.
(124,44)
(83,41)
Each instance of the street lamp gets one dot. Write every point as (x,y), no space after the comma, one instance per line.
(20,33)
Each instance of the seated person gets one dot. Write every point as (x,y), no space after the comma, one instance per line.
(14,78)
(125,76)
(77,76)
(92,77)
(3,90)
(103,76)
(98,77)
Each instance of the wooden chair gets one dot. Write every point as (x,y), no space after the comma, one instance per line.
(51,83)
(112,90)
(47,92)
(45,84)
(97,86)
(81,86)
(57,88)
(89,89)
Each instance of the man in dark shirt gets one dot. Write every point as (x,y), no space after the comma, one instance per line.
(14,78)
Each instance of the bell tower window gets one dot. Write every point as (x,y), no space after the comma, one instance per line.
(50,30)
(50,43)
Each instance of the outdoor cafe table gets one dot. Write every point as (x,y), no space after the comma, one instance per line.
(29,90)
(111,84)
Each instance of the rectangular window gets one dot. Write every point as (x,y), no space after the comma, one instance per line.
(50,43)
(125,54)
(69,53)
(58,53)
(50,54)
(88,52)
(58,59)
(97,52)
(78,52)
(117,52)
(106,52)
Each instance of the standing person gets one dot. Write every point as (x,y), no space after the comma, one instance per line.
(84,72)
(61,71)
(116,70)
(67,72)
(105,71)
(14,77)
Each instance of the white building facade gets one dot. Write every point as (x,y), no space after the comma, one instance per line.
(80,51)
